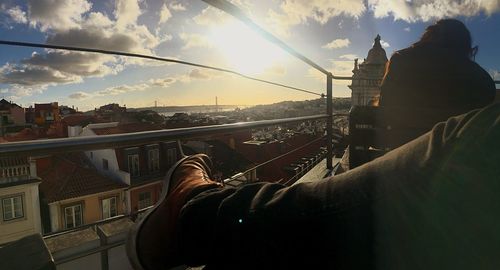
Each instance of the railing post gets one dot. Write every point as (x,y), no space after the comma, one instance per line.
(329,122)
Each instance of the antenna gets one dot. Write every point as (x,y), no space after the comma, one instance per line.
(216,105)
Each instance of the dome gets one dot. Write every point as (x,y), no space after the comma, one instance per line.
(377,54)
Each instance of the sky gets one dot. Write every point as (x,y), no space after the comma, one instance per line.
(332,33)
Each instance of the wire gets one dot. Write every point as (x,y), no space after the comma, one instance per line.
(81,49)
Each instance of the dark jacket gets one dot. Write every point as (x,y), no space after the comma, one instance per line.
(436,78)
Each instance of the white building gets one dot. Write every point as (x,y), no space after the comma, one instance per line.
(19,199)
(368,75)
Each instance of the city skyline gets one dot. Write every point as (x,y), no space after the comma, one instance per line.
(331,34)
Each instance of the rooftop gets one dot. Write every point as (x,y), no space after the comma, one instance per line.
(127,128)
(70,176)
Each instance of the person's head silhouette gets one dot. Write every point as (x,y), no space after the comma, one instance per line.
(451,34)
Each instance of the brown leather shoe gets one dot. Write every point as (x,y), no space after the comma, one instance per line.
(153,241)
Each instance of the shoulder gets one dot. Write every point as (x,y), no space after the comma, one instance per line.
(477,69)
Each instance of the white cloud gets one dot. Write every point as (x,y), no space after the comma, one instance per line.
(342,67)
(126,12)
(495,74)
(210,17)
(164,14)
(407,29)
(338,68)
(97,19)
(385,44)
(76,63)
(177,6)
(79,95)
(72,23)
(125,88)
(165,82)
(427,10)
(199,74)
(195,40)
(349,56)
(16,92)
(17,14)
(122,89)
(337,43)
(295,12)
(57,14)
(34,75)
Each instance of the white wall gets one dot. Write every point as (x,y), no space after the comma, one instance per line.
(97,156)
(74,131)
(54,209)
(30,223)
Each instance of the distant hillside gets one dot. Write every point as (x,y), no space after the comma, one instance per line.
(190,109)
(338,104)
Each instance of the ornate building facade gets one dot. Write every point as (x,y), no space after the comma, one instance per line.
(368,75)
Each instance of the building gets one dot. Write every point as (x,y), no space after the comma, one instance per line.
(111,109)
(66,110)
(142,167)
(11,117)
(74,123)
(45,113)
(368,75)
(19,199)
(74,193)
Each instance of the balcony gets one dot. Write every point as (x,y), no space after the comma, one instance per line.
(100,245)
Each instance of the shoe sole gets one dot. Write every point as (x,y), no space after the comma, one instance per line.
(134,231)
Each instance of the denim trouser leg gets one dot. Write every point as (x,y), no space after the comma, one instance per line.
(432,203)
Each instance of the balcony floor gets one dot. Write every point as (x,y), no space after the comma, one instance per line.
(318,172)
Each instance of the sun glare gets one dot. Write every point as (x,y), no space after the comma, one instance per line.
(244,50)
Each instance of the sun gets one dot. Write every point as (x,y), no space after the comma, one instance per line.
(244,50)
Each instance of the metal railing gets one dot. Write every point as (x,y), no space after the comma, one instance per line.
(54,146)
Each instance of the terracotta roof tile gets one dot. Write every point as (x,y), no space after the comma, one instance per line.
(70,176)
(127,128)
(79,119)
(27,134)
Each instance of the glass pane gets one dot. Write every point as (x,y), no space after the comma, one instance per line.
(105,208)
(112,209)
(7,209)
(144,200)
(78,215)
(68,213)
(18,206)
(7,203)
(133,164)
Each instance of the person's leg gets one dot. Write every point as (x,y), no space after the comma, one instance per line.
(431,203)
(153,241)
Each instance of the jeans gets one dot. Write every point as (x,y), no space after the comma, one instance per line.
(433,203)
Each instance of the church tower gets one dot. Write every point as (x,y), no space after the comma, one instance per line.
(368,75)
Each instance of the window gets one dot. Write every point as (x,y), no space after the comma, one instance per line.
(133,164)
(171,156)
(109,207)
(154,160)
(12,207)
(144,200)
(105,165)
(73,216)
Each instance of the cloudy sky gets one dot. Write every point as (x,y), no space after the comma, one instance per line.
(330,32)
